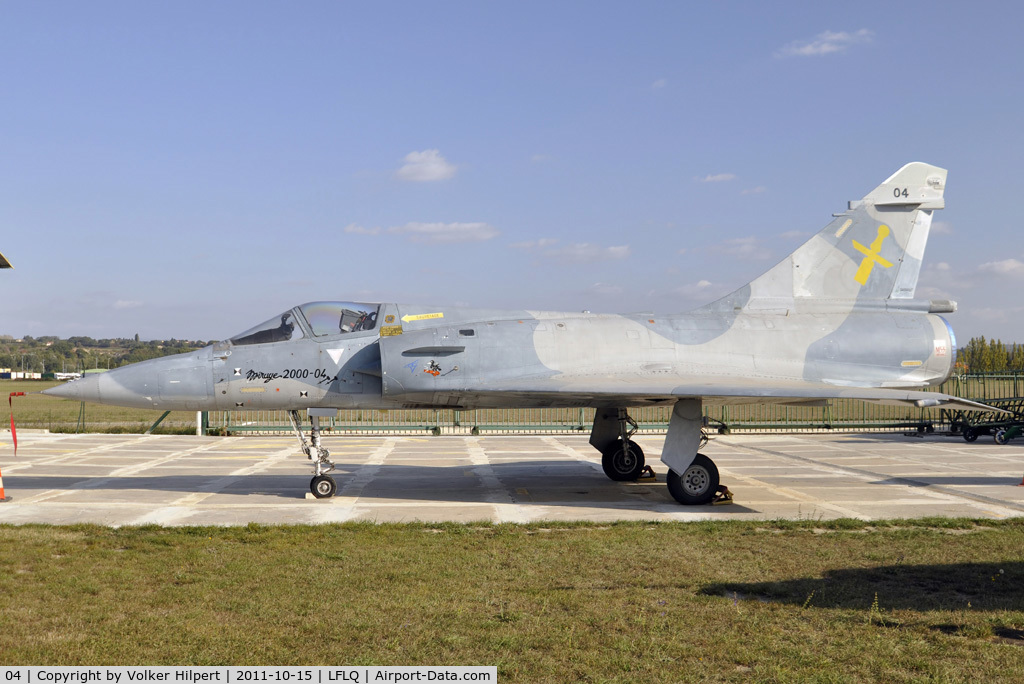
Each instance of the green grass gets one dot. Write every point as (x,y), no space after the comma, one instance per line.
(817,601)
(62,415)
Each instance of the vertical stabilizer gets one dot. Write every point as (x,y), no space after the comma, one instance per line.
(868,254)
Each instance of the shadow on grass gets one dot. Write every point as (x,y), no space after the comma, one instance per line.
(985,586)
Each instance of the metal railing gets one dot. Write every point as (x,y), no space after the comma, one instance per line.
(840,414)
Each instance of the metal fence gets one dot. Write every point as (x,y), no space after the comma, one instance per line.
(839,414)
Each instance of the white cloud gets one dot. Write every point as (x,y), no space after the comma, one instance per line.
(928,292)
(748,248)
(446,232)
(360,230)
(605,289)
(540,158)
(659,84)
(534,244)
(998,315)
(578,252)
(942,228)
(1006,267)
(717,178)
(755,191)
(585,252)
(825,43)
(127,304)
(693,290)
(794,234)
(425,166)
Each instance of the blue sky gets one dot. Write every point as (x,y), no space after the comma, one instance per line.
(189,169)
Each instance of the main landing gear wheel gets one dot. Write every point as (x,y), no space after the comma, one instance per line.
(323,486)
(698,483)
(623,461)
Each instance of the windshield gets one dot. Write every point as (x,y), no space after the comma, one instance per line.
(277,329)
(333,318)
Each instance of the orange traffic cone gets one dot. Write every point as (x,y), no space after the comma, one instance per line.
(1020,485)
(2,497)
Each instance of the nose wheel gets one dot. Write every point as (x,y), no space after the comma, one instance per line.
(323,486)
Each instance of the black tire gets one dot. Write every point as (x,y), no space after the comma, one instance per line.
(620,465)
(697,484)
(1000,436)
(970,434)
(323,486)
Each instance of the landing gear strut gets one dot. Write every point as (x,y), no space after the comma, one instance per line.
(692,476)
(322,485)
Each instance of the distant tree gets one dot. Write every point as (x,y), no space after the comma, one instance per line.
(1017,357)
(61,348)
(981,355)
(973,354)
(985,354)
(1000,359)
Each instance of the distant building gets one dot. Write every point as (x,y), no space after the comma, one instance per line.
(66,376)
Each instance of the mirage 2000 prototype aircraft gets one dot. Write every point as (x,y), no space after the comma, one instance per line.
(836,318)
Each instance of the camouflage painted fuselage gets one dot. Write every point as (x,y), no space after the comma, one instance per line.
(835,318)
(488,359)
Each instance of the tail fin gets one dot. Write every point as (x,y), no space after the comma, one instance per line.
(868,255)
(4,263)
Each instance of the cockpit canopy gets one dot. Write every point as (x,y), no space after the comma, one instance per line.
(317,319)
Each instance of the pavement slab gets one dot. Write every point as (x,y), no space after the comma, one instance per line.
(186,480)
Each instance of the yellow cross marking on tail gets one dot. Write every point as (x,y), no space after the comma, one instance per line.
(871,256)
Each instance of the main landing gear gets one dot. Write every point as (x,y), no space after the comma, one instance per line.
(692,478)
(322,485)
(697,484)
(623,459)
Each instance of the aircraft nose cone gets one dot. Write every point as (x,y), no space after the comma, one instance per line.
(82,389)
(180,383)
(120,387)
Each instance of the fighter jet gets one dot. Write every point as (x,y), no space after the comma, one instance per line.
(836,318)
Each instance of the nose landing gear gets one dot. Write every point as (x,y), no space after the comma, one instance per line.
(322,485)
